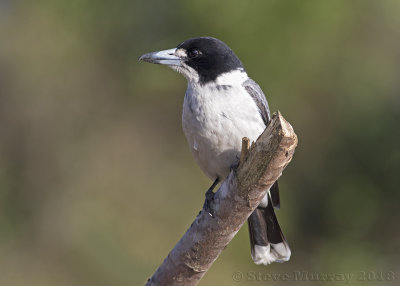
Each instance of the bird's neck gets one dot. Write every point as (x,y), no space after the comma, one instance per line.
(231,78)
(234,77)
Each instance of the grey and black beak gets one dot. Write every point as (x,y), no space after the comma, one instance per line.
(166,57)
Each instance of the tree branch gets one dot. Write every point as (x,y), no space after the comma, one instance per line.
(260,166)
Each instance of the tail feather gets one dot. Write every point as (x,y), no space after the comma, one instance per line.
(268,244)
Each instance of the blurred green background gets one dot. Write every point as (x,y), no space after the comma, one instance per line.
(97,183)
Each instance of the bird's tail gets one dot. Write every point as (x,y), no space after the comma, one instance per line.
(268,243)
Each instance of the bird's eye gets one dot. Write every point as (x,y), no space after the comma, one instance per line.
(193,54)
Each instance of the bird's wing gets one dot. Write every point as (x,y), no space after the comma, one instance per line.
(254,90)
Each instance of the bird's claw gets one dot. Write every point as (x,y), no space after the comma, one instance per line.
(209,203)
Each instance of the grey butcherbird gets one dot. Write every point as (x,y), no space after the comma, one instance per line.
(221,106)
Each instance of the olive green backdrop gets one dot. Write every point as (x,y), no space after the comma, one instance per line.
(97,183)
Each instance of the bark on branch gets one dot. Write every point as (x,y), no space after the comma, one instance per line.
(260,166)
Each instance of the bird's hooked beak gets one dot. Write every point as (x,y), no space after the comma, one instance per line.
(166,57)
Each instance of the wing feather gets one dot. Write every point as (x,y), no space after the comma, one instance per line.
(254,90)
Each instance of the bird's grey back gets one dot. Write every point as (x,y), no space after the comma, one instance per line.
(258,96)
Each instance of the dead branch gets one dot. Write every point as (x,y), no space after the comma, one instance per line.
(260,166)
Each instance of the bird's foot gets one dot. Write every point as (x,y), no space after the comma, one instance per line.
(234,167)
(209,203)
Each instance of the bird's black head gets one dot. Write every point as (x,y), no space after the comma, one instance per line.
(209,57)
(202,59)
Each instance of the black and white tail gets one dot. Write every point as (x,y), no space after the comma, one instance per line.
(268,244)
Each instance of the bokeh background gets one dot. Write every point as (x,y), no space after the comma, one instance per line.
(97,183)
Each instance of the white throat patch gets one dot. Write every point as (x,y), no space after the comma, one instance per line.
(188,72)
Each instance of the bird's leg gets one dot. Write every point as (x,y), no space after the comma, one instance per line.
(209,201)
(235,166)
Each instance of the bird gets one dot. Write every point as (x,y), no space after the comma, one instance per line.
(222,104)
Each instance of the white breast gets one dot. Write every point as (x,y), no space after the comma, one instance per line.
(215,119)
